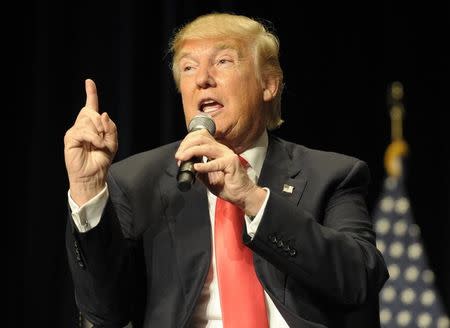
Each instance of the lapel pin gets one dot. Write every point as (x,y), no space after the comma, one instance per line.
(287,188)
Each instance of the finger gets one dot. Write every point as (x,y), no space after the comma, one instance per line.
(109,127)
(91,95)
(78,136)
(201,145)
(226,163)
(194,139)
(209,150)
(215,179)
(211,166)
(110,135)
(90,120)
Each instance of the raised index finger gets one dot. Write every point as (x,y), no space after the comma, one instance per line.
(91,95)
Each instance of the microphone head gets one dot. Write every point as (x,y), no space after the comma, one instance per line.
(186,171)
(202,121)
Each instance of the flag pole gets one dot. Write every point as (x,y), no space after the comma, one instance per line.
(398,148)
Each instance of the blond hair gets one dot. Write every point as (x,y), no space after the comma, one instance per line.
(223,25)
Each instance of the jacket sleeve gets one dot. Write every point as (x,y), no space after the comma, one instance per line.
(334,254)
(102,263)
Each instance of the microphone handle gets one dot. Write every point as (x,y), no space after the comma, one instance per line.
(186,174)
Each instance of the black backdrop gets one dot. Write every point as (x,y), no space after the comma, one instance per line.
(338,60)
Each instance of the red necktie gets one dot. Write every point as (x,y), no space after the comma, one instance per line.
(241,294)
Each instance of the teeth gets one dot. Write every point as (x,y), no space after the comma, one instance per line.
(209,105)
(210,109)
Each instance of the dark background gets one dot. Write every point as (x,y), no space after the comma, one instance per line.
(338,59)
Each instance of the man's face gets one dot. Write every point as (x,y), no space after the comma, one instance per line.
(219,77)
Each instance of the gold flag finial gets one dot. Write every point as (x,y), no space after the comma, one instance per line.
(398,148)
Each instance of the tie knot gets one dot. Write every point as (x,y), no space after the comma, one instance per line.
(243,161)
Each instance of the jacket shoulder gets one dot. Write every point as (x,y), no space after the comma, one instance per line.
(317,162)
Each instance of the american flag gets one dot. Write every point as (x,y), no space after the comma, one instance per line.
(409,298)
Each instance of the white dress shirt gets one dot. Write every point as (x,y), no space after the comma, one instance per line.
(207,312)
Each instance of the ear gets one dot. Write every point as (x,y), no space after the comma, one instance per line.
(270,88)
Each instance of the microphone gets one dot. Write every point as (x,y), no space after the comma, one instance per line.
(186,171)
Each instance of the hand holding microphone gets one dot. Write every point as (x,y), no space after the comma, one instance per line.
(223,174)
(186,171)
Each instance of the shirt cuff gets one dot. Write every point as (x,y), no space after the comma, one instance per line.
(88,215)
(253,223)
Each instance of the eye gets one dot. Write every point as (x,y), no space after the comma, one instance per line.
(224,61)
(187,68)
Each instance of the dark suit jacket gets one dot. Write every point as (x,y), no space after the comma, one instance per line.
(314,250)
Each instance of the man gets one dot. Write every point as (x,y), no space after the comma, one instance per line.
(141,250)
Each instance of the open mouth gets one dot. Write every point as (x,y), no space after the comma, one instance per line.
(210,106)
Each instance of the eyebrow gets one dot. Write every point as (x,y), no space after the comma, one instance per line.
(218,47)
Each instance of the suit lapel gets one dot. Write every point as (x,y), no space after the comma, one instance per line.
(280,173)
(188,219)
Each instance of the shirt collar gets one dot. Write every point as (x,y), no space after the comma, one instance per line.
(255,155)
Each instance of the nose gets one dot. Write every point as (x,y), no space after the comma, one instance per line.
(204,78)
